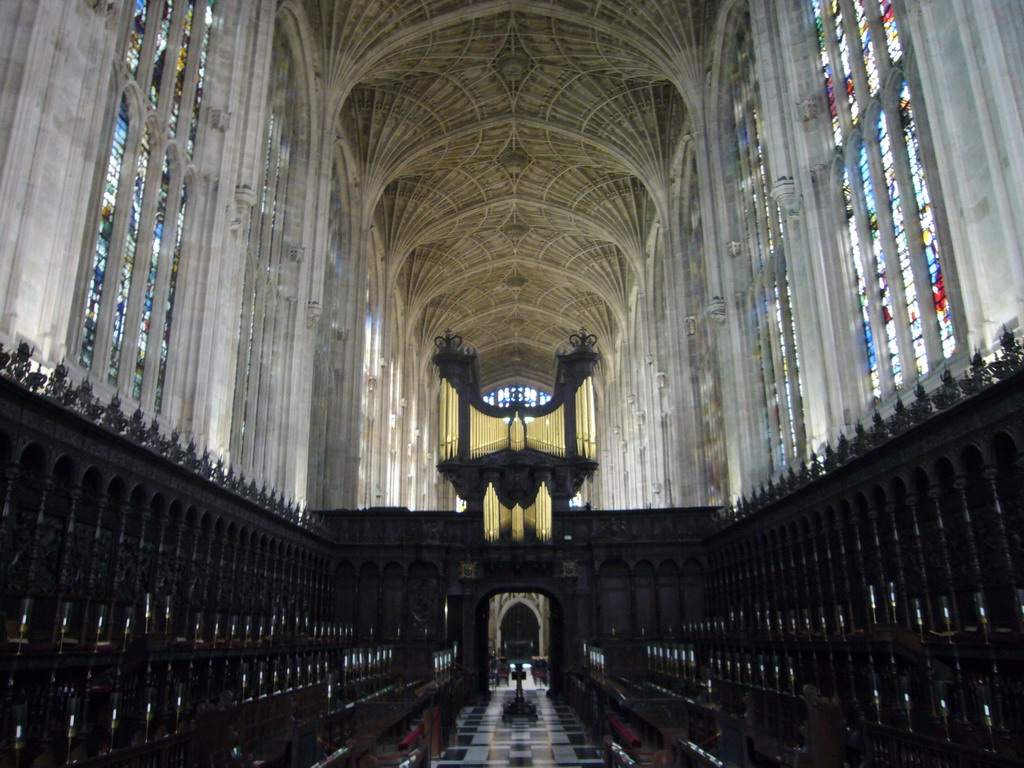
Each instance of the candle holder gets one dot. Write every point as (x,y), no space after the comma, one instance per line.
(979,605)
(918,617)
(65,612)
(947,617)
(904,684)
(115,705)
(876,697)
(100,618)
(128,614)
(18,743)
(26,612)
(72,732)
(985,707)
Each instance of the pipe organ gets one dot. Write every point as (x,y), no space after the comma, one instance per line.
(547,433)
(487,434)
(517,463)
(586,440)
(448,427)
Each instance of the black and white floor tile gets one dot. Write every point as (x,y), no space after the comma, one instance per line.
(555,738)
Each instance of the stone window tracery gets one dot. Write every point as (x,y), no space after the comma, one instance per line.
(266,319)
(891,235)
(773,331)
(124,330)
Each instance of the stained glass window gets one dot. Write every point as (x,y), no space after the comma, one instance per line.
(862,288)
(154,260)
(517,394)
(180,64)
(265,322)
(867,47)
(826,66)
(141,208)
(772,328)
(893,242)
(160,52)
(165,341)
(200,77)
(128,258)
(881,279)
(101,255)
(133,50)
(926,220)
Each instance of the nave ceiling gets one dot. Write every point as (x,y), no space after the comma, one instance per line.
(514,158)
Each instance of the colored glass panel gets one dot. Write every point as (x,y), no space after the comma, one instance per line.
(867,47)
(787,380)
(101,255)
(200,77)
(774,340)
(128,261)
(160,53)
(762,184)
(172,288)
(826,66)
(926,219)
(881,279)
(133,50)
(902,247)
(154,262)
(843,44)
(892,33)
(517,394)
(180,64)
(862,287)
(758,323)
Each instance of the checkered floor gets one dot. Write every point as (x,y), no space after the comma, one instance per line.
(555,738)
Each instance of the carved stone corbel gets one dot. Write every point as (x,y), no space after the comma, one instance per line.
(245,199)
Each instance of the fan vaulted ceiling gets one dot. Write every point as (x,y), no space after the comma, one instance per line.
(515,157)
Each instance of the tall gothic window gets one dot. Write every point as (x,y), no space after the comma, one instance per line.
(141,214)
(763,223)
(267,320)
(904,311)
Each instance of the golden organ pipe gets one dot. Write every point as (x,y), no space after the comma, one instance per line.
(448,427)
(505,523)
(586,443)
(547,433)
(581,421)
(487,433)
(517,523)
(530,516)
(542,504)
(517,433)
(453,415)
(491,513)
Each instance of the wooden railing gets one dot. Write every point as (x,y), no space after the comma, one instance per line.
(616,756)
(896,748)
(691,756)
(169,752)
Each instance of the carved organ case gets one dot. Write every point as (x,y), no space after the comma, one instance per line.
(517,464)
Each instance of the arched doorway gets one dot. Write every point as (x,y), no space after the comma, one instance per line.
(520,616)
